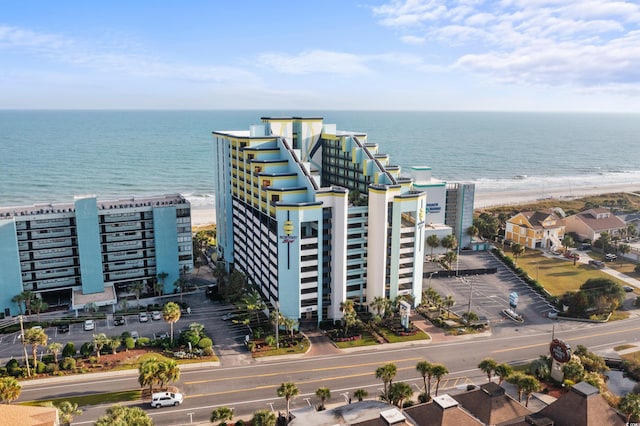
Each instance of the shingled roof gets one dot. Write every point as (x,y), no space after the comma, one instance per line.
(581,406)
(491,404)
(600,220)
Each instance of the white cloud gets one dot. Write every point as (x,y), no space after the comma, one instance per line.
(580,44)
(315,62)
(411,39)
(103,59)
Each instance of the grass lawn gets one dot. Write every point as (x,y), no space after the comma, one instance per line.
(392,338)
(367,340)
(556,275)
(286,350)
(633,356)
(95,399)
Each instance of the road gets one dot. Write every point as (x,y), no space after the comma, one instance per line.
(250,387)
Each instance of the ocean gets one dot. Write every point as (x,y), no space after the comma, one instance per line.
(50,156)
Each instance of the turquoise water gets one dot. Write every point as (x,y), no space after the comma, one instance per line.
(50,156)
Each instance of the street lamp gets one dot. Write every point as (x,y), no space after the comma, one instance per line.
(277,324)
(26,359)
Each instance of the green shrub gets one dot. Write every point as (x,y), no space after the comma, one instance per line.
(41,367)
(205,342)
(69,350)
(68,363)
(207,351)
(47,359)
(129,343)
(86,349)
(51,368)
(143,341)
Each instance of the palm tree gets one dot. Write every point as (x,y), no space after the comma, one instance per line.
(424,367)
(27,298)
(360,394)
(323,393)
(159,285)
(181,284)
(433,242)
(568,242)
(168,371)
(148,373)
(263,418)
(630,405)
(220,273)
(289,325)
(450,257)
(516,380)
(66,411)
(400,392)
(121,415)
(9,389)
(348,314)
(517,250)
(488,366)
(450,242)
(473,231)
(503,371)
(115,343)
(137,287)
(449,301)
(386,373)
(35,337)
(529,385)
(222,415)
(55,349)
(288,391)
(99,341)
(439,371)
(39,305)
(380,304)
(540,367)
(18,299)
(171,314)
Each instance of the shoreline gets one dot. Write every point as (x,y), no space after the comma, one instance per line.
(206,215)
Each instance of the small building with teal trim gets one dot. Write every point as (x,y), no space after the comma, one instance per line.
(314,217)
(91,251)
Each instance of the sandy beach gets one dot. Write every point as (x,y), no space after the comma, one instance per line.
(493,199)
(201,216)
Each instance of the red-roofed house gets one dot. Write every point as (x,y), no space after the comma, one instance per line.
(589,224)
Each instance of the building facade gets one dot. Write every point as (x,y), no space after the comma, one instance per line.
(91,250)
(314,217)
(536,230)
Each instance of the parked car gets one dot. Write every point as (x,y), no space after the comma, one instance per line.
(156,315)
(596,264)
(89,325)
(63,328)
(118,320)
(570,255)
(610,257)
(143,317)
(166,399)
(135,336)
(628,288)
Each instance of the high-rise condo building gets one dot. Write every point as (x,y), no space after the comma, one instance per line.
(91,250)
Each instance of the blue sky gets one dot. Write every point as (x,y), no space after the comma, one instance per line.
(505,55)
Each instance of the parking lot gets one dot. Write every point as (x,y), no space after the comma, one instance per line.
(228,336)
(488,294)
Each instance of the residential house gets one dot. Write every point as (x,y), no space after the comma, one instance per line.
(536,229)
(590,224)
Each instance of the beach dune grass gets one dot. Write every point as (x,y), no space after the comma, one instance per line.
(558,276)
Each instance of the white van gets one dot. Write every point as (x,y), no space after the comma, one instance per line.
(165,399)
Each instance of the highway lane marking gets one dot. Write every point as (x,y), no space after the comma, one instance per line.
(589,336)
(378,363)
(322,380)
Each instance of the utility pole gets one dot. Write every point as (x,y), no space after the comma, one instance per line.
(26,358)
(277,324)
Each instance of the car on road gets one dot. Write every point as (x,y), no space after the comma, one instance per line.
(166,399)
(156,315)
(118,320)
(63,328)
(89,325)
(143,317)
(627,288)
